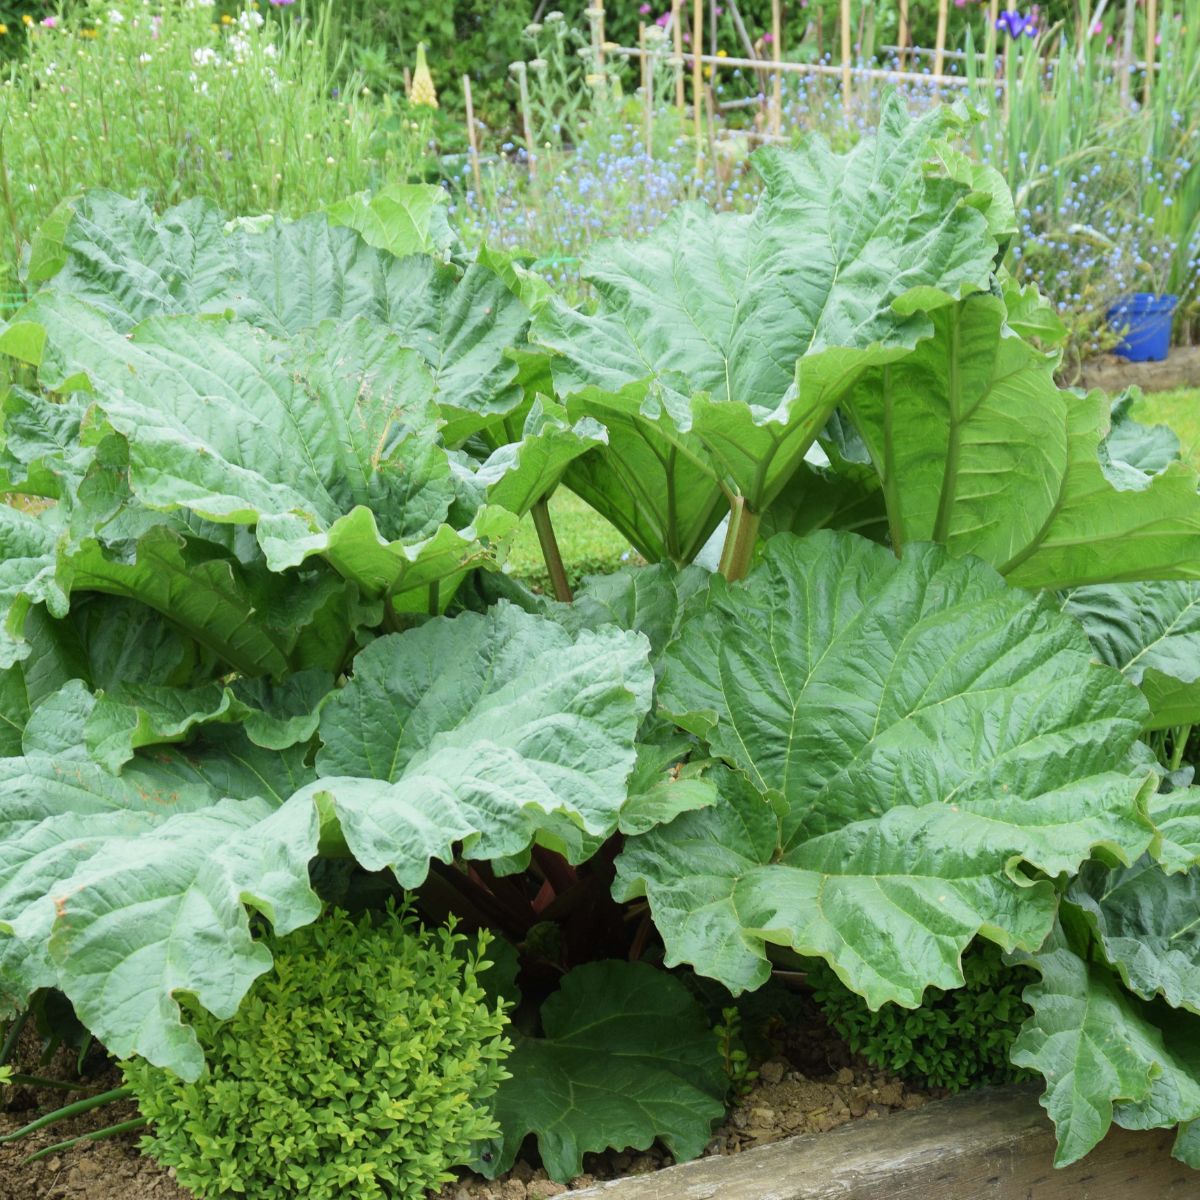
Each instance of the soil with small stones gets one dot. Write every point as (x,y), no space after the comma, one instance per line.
(810,1084)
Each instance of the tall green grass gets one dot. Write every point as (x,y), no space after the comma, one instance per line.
(253,114)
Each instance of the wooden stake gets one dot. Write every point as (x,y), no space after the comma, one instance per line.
(711,105)
(1127,49)
(647,87)
(677,31)
(472,139)
(939,58)
(777,58)
(530,153)
(903,38)
(697,81)
(599,6)
(594,20)
(1151,36)
(846,56)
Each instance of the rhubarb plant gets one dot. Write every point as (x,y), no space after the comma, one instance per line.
(258,651)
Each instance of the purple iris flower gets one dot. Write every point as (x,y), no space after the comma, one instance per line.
(1012,23)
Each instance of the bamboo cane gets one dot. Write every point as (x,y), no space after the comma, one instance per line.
(1127,31)
(647,99)
(939,58)
(523,84)
(677,32)
(846,56)
(777,58)
(822,69)
(472,139)
(697,82)
(599,26)
(903,36)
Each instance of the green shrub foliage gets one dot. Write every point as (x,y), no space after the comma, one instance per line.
(956,1039)
(361,1066)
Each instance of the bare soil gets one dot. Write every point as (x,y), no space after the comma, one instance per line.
(810,1084)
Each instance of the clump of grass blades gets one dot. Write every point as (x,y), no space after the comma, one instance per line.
(253,113)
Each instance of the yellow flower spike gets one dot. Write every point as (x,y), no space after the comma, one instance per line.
(422,91)
(26,19)
(226,19)
(3,29)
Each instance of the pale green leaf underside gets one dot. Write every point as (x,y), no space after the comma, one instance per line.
(977,448)
(722,342)
(402,219)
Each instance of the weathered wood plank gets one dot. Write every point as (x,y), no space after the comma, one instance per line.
(995,1144)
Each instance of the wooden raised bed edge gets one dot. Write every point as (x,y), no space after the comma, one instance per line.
(1180,370)
(995,1143)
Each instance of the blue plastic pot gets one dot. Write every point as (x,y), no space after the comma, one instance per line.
(1146,318)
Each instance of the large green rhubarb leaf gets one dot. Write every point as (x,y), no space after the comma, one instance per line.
(1148,923)
(1150,632)
(483,734)
(1176,817)
(518,474)
(124,892)
(325,443)
(977,448)
(493,731)
(1105,1054)
(28,542)
(402,219)
(722,343)
(908,732)
(626,1056)
(653,600)
(288,276)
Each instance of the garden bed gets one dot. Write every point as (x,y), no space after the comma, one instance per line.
(1113,374)
(812,1086)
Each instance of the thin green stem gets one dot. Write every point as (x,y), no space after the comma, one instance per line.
(14,1035)
(67,1112)
(1179,741)
(550,552)
(39,1082)
(96,1136)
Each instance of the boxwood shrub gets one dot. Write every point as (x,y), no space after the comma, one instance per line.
(360,1067)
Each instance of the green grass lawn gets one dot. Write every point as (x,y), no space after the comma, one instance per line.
(1181,411)
(588,543)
